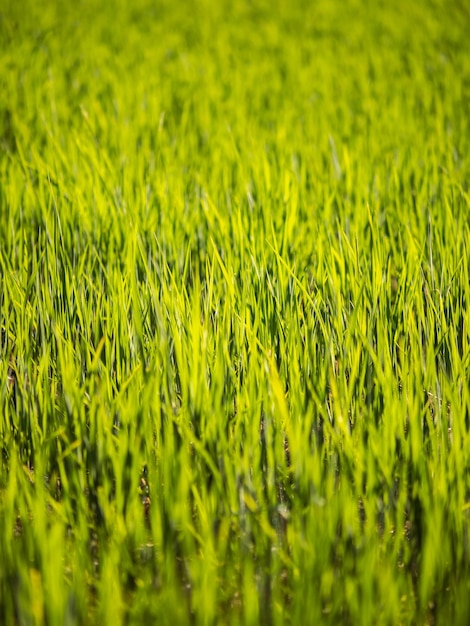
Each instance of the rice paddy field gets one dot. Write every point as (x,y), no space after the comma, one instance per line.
(234,312)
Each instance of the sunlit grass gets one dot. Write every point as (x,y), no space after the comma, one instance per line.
(234,290)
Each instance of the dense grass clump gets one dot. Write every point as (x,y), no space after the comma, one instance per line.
(234,298)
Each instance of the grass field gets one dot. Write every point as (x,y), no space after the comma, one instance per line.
(234,298)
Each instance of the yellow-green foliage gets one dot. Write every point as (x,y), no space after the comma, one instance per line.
(234,291)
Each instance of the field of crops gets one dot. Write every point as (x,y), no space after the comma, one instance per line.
(234,312)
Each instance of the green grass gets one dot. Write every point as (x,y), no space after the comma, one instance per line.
(235,332)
